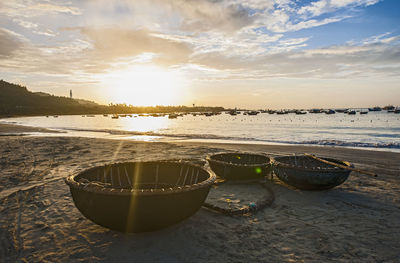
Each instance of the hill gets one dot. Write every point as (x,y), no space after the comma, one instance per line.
(17,100)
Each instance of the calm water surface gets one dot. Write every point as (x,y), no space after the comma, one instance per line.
(377,130)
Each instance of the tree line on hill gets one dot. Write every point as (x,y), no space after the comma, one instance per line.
(17,100)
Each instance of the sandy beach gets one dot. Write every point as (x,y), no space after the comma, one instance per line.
(357,221)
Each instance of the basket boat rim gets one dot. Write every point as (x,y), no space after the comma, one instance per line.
(72,183)
(209,158)
(331,169)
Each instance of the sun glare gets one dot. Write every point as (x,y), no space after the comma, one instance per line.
(145,86)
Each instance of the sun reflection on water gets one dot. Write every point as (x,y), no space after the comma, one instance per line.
(144,124)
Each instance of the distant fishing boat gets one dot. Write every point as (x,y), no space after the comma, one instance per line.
(389,107)
(90,116)
(352,112)
(315,111)
(115,116)
(55,116)
(330,112)
(253,112)
(281,112)
(376,108)
(172,116)
(105,115)
(363,112)
(298,112)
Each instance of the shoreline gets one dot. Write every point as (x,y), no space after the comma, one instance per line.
(12,129)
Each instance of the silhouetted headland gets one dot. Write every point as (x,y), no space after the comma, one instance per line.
(17,100)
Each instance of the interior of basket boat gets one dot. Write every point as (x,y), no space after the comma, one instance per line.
(143,175)
(241,158)
(308,162)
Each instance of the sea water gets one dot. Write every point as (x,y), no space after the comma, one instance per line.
(376,130)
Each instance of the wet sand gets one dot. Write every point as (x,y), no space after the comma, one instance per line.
(355,222)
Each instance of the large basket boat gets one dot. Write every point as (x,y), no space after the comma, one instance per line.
(239,166)
(307,173)
(140,196)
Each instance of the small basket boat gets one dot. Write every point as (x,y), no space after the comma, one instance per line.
(239,166)
(140,196)
(307,173)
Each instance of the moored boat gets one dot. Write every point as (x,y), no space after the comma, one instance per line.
(376,108)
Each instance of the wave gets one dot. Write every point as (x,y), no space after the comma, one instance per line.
(391,145)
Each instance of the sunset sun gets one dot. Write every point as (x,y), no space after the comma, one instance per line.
(145,86)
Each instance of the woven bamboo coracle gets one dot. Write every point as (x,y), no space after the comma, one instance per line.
(307,173)
(140,196)
(239,166)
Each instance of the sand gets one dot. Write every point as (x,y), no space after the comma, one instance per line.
(358,221)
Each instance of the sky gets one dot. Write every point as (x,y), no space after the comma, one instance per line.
(231,53)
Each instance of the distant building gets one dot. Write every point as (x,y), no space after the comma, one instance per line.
(70,93)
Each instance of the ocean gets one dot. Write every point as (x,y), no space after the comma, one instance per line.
(375,130)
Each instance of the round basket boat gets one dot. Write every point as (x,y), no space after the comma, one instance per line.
(140,196)
(239,166)
(307,173)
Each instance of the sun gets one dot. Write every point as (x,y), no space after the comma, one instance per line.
(145,86)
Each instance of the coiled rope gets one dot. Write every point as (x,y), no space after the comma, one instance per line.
(253,208)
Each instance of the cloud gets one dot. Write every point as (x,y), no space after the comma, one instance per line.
(221,38)
(10,42)
(21,8)
(320,7)
(102,49)
(33,27)
(376,59)
(54,8)
(207,15)
(112,43)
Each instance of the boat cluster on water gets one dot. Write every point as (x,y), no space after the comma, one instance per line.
(174,115)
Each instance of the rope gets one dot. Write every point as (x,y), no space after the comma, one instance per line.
(341,166)
(250,209)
